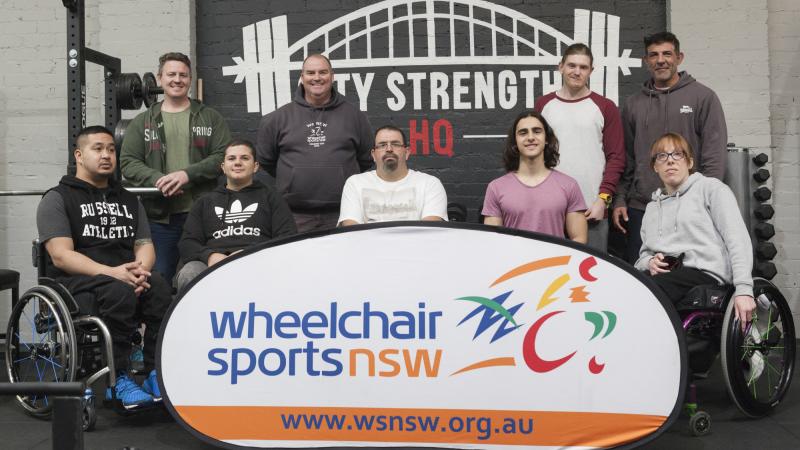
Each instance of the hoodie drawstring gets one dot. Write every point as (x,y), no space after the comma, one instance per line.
(677,210)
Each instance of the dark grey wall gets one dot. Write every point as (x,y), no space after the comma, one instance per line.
(465,165)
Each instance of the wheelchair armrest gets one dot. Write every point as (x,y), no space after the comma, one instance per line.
(706,297)
(39,257)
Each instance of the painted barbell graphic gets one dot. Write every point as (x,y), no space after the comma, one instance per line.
(268,58)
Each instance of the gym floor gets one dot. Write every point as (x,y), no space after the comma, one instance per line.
(156,429)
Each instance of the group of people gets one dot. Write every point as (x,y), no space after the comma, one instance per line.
(569,162)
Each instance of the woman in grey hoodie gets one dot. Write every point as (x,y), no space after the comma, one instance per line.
(692,231)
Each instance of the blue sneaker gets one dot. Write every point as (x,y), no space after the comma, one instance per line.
(150,386)
(129,393)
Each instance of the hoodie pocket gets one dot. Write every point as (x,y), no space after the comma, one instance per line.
(315,187)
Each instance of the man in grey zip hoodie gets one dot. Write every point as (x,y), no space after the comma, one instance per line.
(670,101)
(313,144)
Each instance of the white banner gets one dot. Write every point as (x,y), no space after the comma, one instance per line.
(415,335)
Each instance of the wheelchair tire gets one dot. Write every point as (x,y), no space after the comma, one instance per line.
(758,365)
(40,345)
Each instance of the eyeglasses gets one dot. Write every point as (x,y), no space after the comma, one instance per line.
(385,145)
(676,156)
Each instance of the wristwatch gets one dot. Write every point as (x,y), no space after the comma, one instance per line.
(606,198)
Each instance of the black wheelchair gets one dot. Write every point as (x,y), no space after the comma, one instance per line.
(757,364)
(50,338)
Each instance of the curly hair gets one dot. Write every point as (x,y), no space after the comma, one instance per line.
(511,153)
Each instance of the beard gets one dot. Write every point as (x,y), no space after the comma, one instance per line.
(390,165)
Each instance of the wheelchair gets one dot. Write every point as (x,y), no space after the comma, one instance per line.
(49,339)
(757,364)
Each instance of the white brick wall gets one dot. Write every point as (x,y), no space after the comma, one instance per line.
(33,102)
(784,64)
(749,53)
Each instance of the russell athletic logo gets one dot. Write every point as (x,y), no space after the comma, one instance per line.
(510,40)
(235,214)
(492,312)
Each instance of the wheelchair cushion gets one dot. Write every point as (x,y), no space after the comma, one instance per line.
(705,297)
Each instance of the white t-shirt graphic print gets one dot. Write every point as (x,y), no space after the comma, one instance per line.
(367,198)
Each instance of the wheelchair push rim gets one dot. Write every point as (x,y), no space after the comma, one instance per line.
(758,364)
(40,345)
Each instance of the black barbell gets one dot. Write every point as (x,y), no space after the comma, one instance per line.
(133,90)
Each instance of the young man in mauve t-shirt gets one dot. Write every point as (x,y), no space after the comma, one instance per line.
(532,195)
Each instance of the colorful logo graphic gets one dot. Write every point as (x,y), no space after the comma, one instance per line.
(493,313)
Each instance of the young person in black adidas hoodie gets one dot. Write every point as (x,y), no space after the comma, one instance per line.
(98,238)
(230,218)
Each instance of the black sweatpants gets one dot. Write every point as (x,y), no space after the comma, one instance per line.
(122,311)
(678,282)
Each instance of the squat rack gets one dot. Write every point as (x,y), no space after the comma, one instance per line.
(77,56)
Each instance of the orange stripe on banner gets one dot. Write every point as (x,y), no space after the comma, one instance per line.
(531,266)
(550,428)
(494,362)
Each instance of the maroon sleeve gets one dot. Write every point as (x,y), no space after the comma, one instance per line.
(613,144)
(538,106)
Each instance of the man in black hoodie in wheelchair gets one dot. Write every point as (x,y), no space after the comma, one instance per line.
(98,238)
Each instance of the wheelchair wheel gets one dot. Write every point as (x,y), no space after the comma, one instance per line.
(758,364)
(700,423)
(40,345)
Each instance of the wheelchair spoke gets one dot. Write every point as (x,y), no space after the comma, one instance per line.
(769,378)
(32,326)
(53,365)
(19,339)
(770,366)
(52,362)
(38,373)
(770,323)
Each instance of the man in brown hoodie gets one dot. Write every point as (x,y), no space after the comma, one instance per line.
(670,101)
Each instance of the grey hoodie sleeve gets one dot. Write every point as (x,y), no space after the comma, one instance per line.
(714,135)
(267,151)
(725,214)
(645,253)
(366,142)
(625,181)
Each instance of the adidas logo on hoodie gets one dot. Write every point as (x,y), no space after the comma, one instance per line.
(235,214)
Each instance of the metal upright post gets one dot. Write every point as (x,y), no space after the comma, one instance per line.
(76,75)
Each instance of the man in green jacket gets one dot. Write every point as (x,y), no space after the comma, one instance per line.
(176,145)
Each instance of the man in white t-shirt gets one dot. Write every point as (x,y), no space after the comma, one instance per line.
(392,191)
